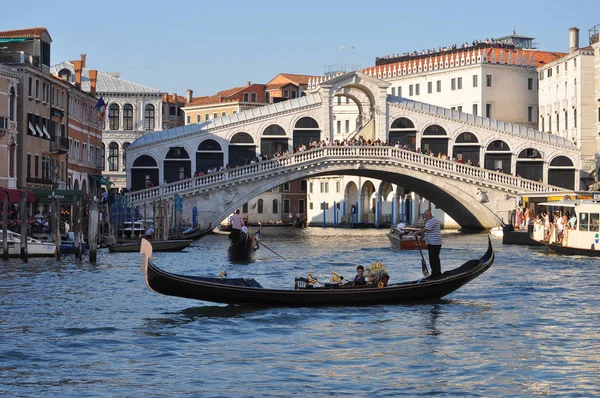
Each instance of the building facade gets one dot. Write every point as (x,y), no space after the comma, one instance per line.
(131,111)
(567,100)
(9,86)
(172,113)
(595,43)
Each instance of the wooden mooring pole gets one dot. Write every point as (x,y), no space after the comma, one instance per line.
(5,228)
(24,227)
(93,231)
(55,223)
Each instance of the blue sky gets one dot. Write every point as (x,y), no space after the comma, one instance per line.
(209,46)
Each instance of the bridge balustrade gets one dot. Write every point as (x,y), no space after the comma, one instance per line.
(405,157)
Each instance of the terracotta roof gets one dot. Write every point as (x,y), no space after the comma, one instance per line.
(284,79)
(540,57)
(169,98)
(216,98)
(300,79)
(33,33)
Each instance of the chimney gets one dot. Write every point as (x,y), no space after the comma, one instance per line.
(77,67)
(249,84)
(83,57)
(174,97)
(93,78)
(189,95)
(573,39)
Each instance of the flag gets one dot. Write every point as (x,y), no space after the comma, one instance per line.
(101,108)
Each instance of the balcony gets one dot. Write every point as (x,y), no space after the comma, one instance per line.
(59,145)
(19,57)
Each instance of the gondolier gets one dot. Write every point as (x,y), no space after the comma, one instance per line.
(433,237)
(237,223)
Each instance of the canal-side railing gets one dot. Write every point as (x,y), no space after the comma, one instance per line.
(358,154)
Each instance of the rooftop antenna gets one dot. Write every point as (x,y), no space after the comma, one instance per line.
(514,31)
(341,49)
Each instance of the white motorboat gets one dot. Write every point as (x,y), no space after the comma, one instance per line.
(35,247)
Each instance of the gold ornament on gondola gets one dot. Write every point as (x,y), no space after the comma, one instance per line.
(222,274)
(377,266)
(336,278)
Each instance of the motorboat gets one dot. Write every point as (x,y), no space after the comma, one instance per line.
(35,247)
(404,239)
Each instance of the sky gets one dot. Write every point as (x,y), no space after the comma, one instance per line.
(209,46)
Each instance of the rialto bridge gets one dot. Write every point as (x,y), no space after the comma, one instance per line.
(513,159)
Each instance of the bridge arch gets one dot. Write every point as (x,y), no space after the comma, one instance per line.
(467,148)
(498,156)
(209,154)
(351,198)
(561,172)
(273,139)
(241,149)
(306,130)
(367,204)
(530,164)
(177,164)
(435,139)
(404,132)
(144,173)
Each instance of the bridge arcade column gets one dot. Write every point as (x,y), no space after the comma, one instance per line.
(327,113)
(378,209)
(359,209)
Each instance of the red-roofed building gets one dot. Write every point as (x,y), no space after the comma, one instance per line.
(224,103)
(285,86)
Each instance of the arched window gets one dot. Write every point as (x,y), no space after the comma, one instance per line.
(149,117)
(13,105)
(113,117)
(113,157)
(127,117)
(275,206)
(125,146)
(102,156)
(260,206)
(402,123)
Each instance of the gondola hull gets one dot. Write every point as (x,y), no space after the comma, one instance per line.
(242,247)
(158,246)
(248,291)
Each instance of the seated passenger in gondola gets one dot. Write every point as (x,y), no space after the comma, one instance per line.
(359,279)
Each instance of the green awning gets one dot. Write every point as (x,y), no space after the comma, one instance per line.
(13,40)
(101,180)
(63,195)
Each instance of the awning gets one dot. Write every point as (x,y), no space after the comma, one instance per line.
(557,204)
(65,195)
(32,129)
(14,195)
(101,180)
(46,132)
(39,130)
(12,40)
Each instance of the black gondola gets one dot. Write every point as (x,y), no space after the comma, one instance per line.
(249,291)
(193,234)
(242,246)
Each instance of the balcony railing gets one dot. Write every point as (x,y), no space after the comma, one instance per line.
(59,145)
(38,180)
(19,57)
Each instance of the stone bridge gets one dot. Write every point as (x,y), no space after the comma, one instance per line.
(474,197)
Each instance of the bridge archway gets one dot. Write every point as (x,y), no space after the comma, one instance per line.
(274,139)
(241,149)
(435,139)
(144,173)
(208,155)
(530,164)
(368,203)
(177,164)
(306,130)
(466,148)
(561,172)
(498,156)
(403,132)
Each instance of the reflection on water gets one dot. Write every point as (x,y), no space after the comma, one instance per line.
(528,326)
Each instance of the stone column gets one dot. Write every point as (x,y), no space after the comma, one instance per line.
(360,208)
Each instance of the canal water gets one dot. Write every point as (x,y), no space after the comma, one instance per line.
(527,327)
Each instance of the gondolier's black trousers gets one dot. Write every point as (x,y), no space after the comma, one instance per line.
(434,259)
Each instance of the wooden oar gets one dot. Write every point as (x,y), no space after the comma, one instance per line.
(268,248)
(423,263)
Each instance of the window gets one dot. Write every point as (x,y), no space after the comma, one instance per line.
(566,121)
(549,122)
(339,127)
(575,117)
(286,187)
(488,80)
(530,114)
(417,89)
(566,66)
(338,187)
(149,117)
(324,206)
(453,84)
(30,88)
(113,117)
(286,94)
(557,122)
(127,117)
(399,91)
(542,122)
(189,120)
(275,206)
(260,206)
(37,89)
(125,146)
(474,109)
(267,97)
(488,110)
(557,69)
(253,97)
(339,100)
(429,87)
(44,92)
(36,166)
(459,83)
(303,185)
(113,157)
(530,83)
(301,208)
(322,187)
(294,96)
(215,115)
(206,116)
(28,165)
(12,105)
(541,75)
(347,99)
(549,73)
(245,208)
(310,187)
(410,90)
(326,187)
(459,108)
(474,80)
(310,205)
(393,91)
(575,62)
(223,114)
(286,206)
(245,97)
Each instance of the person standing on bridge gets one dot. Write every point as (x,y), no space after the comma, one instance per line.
(433,238)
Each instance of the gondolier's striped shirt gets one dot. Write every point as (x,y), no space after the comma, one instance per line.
(433,236)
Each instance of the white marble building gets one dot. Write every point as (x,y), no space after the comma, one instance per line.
(132,111)
(567,101)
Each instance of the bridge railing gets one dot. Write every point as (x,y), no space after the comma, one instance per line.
(406,157)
